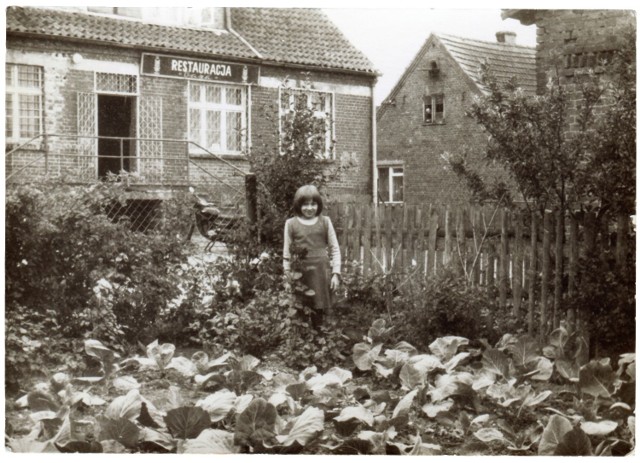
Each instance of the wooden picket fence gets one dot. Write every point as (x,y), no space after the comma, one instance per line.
(530,260)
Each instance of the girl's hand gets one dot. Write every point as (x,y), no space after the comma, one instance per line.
(287,281)
(335,282)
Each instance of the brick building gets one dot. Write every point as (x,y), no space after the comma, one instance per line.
(574,41)
(424,115)
(179,96)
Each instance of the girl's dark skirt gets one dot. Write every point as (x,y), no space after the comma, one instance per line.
(316,276)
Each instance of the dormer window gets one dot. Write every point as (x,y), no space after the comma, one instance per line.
(209,17)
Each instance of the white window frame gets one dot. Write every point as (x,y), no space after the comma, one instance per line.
(395,171)
(224,108)
(14,89)
(327,113)
(433,101)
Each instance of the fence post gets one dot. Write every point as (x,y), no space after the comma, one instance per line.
(546,269)
(503,269)
(433,238)
(357,231)
(533,269)
(448,236)
(366,240)
(461,241)
(573,269)
(622,238)
(517,267)
(251,195)
(419,248)
(557,296)
(377,214)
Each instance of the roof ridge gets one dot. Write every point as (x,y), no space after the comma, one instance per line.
(487,42)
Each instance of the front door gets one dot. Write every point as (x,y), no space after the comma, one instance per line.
(116,125)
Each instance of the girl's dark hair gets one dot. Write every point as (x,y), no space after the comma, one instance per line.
(306,193)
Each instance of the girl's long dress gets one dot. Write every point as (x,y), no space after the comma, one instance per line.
(315,268)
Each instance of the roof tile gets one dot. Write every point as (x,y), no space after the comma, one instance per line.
(287,36)
(505,60)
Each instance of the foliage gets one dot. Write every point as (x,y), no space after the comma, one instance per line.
(296,159)
(607,303)
(588,165)
(456,398)
(423,309)
(78,269)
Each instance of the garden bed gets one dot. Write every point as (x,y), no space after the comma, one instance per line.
(514,398)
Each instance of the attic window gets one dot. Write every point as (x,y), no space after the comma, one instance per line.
(433,109)
(434,71)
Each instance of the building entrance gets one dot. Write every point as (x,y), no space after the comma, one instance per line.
(116,118)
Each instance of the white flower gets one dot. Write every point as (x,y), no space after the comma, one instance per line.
(102,283)
(264,255)
(254,261)
(413,262)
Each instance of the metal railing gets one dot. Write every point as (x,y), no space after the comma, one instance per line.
(149,164)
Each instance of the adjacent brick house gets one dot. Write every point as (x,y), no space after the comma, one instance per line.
(179,96)
(574,41)
(424,115)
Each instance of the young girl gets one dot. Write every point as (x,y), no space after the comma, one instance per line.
(320,260)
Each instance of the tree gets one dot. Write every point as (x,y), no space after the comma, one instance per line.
(298,158)
(572,149)
(553,160)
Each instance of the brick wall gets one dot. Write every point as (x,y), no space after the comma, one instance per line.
(573,41)
(64,79)
(403,136)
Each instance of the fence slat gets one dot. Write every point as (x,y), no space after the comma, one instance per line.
(517,266)
(388,230)
(420,241)
(533,259)
(357,233)
(403,236)
(448,236)
(433,240)
(546,271)
(503,269)
(622,239)
(559,255)
(476,220)
(379,219)
(460,253)
(573,269)
(366,239)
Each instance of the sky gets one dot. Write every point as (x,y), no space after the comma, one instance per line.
(391,37)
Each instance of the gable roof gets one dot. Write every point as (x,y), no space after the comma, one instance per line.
(299,36)
(506,60)
(120,31)
(282,36)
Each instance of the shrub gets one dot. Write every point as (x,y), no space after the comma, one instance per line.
(68,262)
(422,309)
(606,298)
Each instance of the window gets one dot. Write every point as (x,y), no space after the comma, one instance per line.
(391,184)
(318,105)
(23,102)
(433,109)
(106,82)
(217,117)
(210,17)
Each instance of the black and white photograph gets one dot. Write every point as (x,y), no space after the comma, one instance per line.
(320,229)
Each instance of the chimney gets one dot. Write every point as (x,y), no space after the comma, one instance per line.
(507,37)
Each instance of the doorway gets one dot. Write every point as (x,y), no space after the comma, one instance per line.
(116,119)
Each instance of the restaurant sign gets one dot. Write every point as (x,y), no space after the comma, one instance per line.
(189,68)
